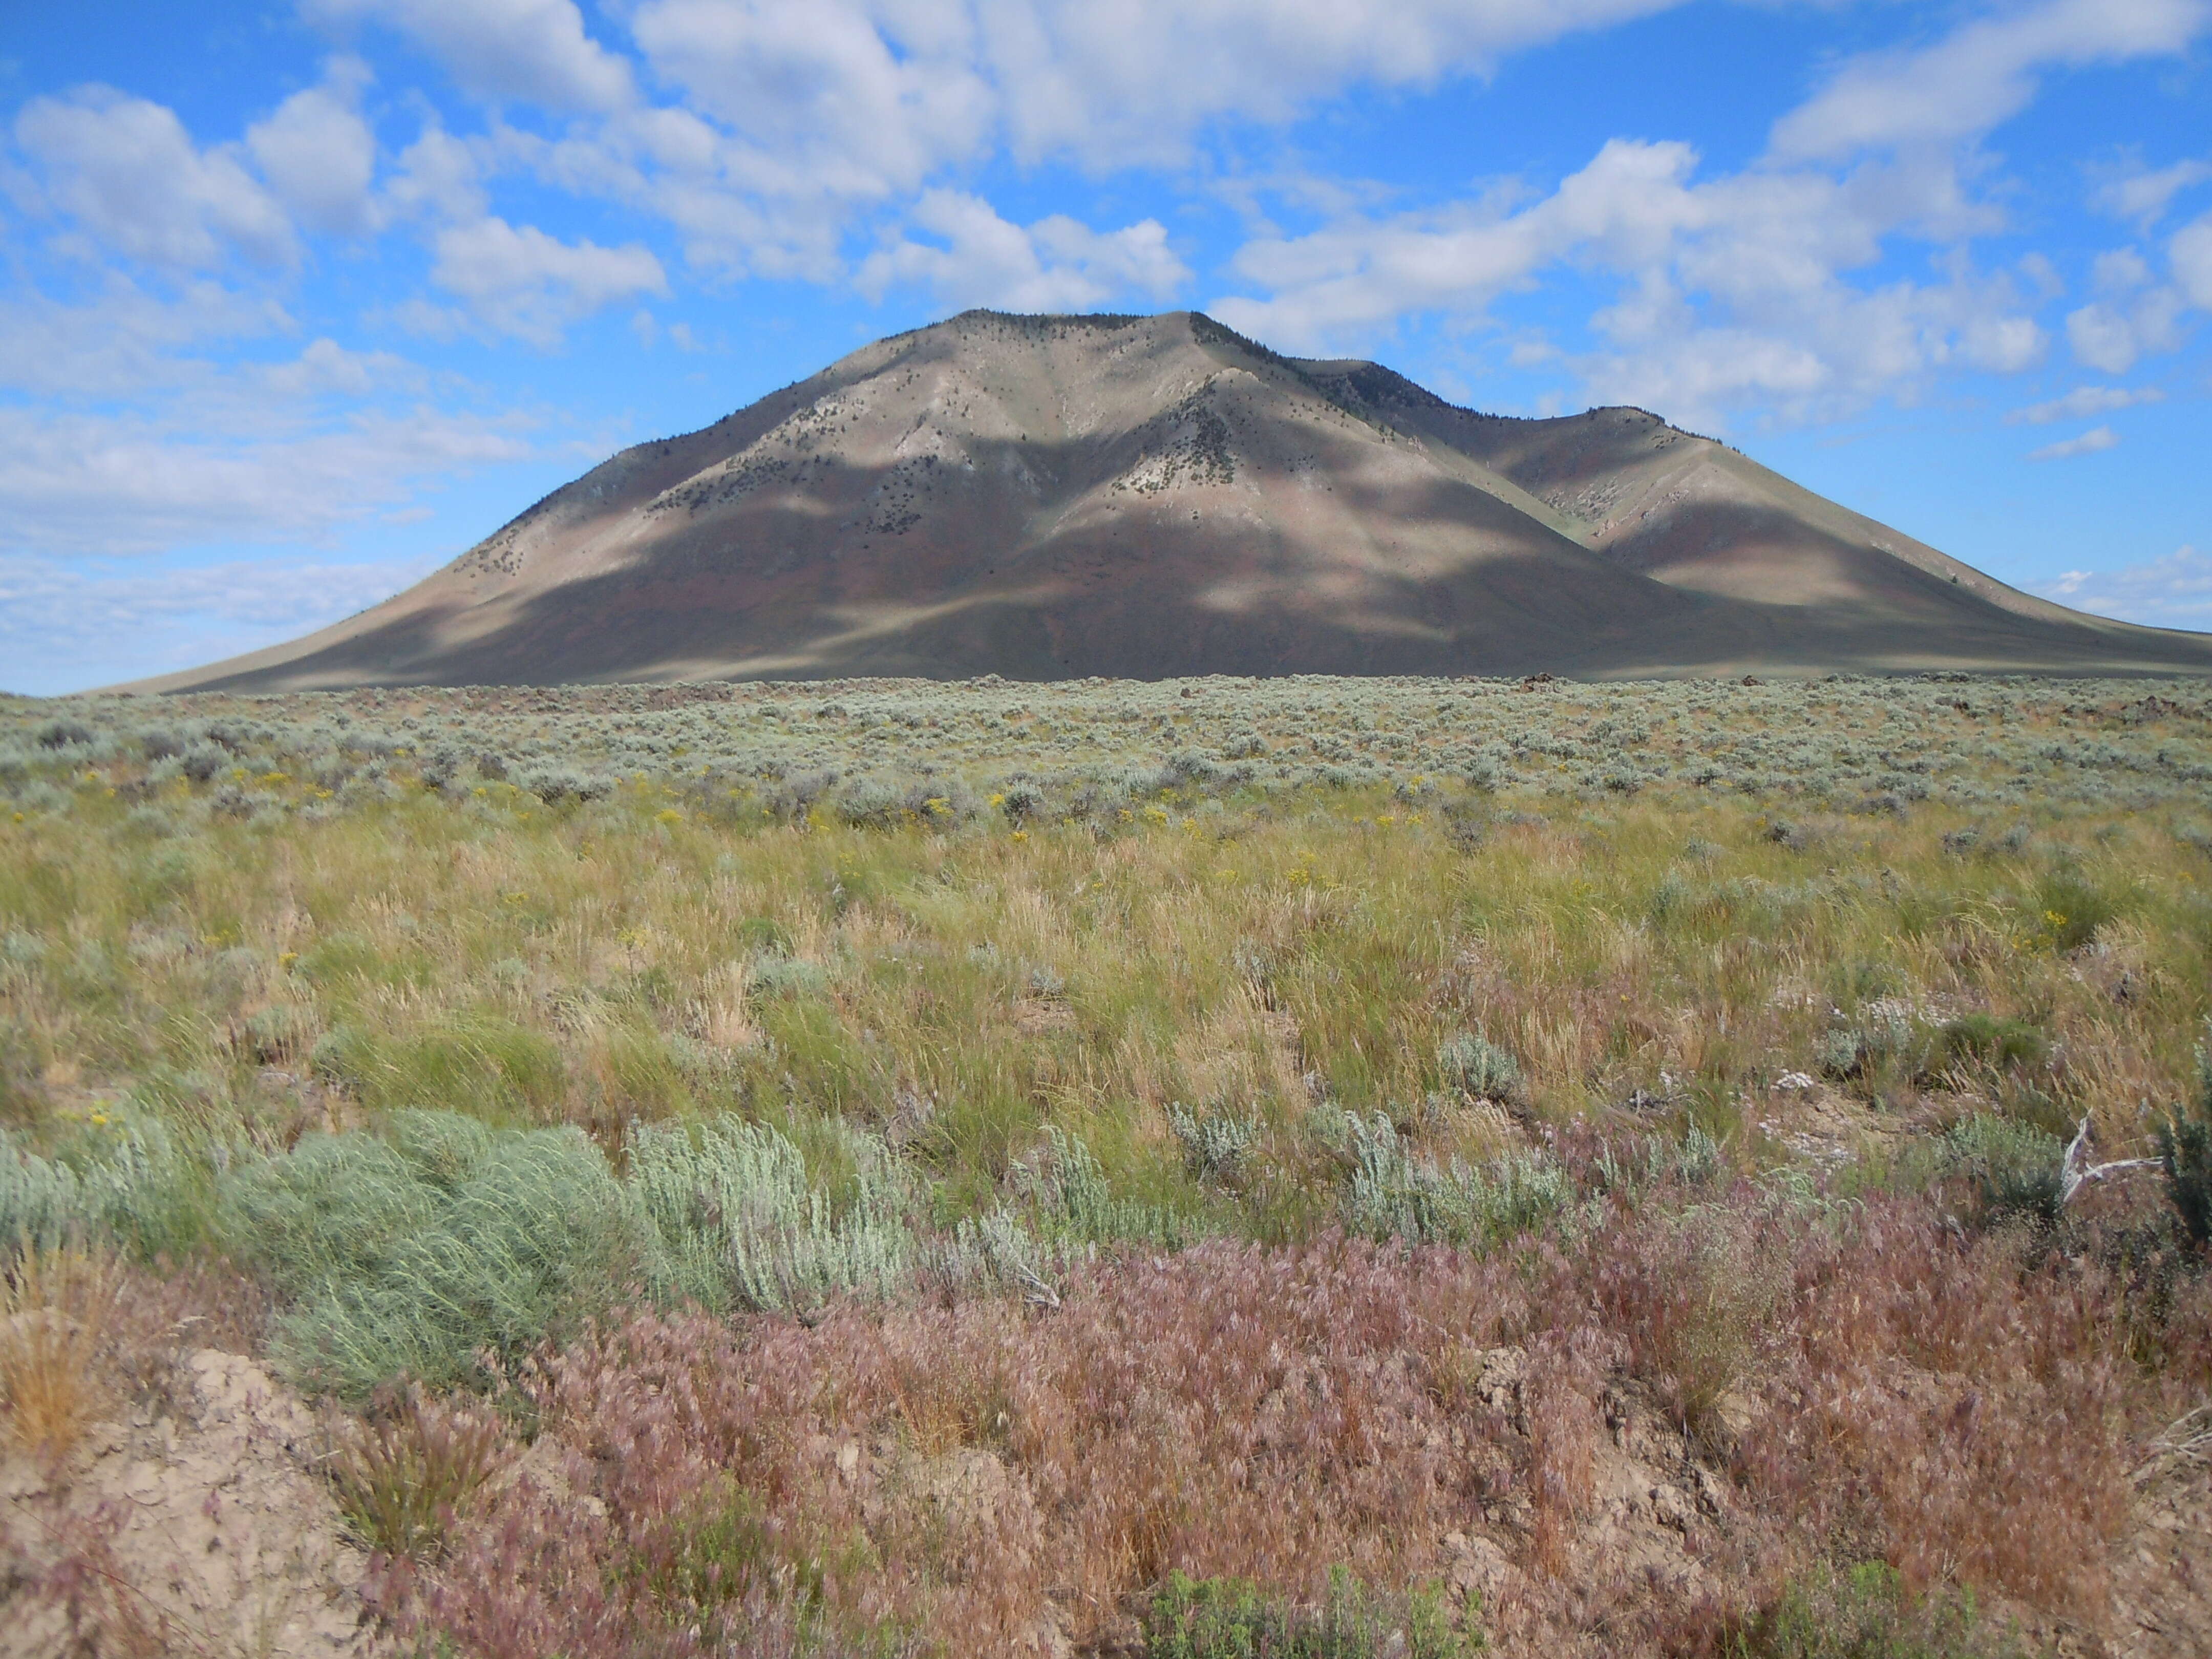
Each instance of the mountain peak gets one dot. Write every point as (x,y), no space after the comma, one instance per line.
(1153,496)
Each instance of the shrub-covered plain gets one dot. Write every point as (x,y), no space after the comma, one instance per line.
(1005,1083)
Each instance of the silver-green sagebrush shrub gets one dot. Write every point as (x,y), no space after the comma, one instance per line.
(124,1180)
(736,1220)
(1471,1063)
(1075,1203)
(1215,1144)
(1392,1194)
(526,1244)
(2016,1169)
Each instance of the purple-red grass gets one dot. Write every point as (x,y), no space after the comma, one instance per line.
(981,1477)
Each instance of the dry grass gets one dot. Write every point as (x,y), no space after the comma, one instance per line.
(57,1310)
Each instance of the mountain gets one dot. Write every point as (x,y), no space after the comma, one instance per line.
(1051,497)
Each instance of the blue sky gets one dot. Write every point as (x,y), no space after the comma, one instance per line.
(302,298)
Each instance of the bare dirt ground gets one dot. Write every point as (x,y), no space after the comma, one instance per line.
(201,1529)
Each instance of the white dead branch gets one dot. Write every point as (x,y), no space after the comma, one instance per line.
(2074,1173)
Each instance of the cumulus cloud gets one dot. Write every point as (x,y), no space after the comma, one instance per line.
(1132,81)
(1055,265)
(438,177)
(2095,440)
(319,156)
(1734,289)
(2174,591)
(2134,317)
(531,51)
(1979,75)
(2141,195)
(856,99)
(2083,402)
(520,280)
(155,421)
(123,340)
(129,174)
(2190,252)
(1743,289)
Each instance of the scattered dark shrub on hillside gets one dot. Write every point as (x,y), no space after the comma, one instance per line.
(2184,1145)
(1988,1039)
(2016,1171)
(64,734)
(554,785)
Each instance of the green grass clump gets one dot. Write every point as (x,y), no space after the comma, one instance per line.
(1867,1612)
(1233,1618)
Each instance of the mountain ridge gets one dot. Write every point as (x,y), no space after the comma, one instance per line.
(1156,496)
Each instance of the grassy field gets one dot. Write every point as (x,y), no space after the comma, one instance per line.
(974,1046)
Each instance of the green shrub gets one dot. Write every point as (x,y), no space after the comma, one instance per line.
(1075,1201)
(2184,1146)
(328,1213)
(125,1180)
(1868,1613)
(1234,1618)
(528,1241)
(1393,1195)
(1215,1144)
(1476,1066)
(736,1221)
(2072,908)
(1987,1040)
(2016,1170)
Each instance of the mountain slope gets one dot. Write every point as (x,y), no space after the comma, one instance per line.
(1146,496)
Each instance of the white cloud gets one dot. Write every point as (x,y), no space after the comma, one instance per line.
(2141,197)
(857,99)
(2190,252)
(319,156)
(2174,591)
(2095,441)
(67,625)
(438,177)
(1131,81)
(124,340)
(1055,264)
(2083,402)
(132,437)
(526,284)
(1979,75)
(532,51)
(127,172)
(1742,289)
(2112,335)
(237,462)
(1734,288)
